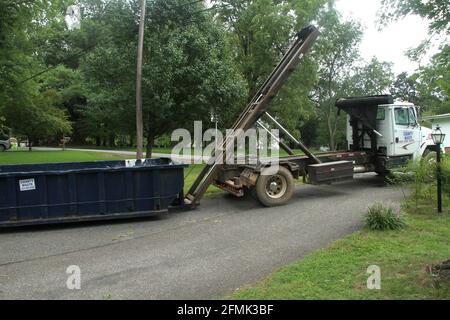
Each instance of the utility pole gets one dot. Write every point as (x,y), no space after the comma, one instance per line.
(139,125)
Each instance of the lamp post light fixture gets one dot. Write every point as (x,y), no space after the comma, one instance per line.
(438,139)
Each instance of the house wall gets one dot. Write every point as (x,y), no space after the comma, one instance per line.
(445,127)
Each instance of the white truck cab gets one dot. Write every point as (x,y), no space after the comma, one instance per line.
(397,132)
(401,133)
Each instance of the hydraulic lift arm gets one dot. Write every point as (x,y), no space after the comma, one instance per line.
(256,109)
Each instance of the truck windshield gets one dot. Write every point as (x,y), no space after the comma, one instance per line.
(402,116)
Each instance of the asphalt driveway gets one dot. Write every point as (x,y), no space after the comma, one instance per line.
(224,245)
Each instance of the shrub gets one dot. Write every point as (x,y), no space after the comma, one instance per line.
(420,178)
(379,217)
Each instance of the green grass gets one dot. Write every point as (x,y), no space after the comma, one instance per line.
(191,173)
(339,271)
(168,150)
(132,149)
(27,157)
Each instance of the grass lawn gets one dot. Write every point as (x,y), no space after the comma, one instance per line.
(133,149)
(191,173)
(168,150)
(27,157)
(339,272)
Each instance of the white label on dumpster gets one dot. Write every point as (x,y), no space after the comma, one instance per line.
(27,185)
(130,163)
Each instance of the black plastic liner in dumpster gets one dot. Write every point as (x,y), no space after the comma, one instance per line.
(364,109)
(67,192)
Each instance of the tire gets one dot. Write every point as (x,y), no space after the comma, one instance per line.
(430,157)
(2,148)
(275,190)
(383,173)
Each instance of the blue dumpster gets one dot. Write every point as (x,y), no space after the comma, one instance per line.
(68,192)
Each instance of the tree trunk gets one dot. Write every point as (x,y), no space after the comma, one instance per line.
(330,132)
(112,140)
(132,140)
(150,144)
(332,143)
(30,144)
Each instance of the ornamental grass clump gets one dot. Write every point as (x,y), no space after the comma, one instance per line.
(380,218)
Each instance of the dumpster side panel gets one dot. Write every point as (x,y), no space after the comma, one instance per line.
(6,200)
(29,198)
(117,197)
(72,192)
(87,193)
(145,191)
(58,200)
(169,185)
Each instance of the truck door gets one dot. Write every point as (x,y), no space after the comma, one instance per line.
(406,131)
(384,127)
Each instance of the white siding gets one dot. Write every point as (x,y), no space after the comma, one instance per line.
(445,127)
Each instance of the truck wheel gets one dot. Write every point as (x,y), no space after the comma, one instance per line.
(430,157)
(275,190)
(2,148)
(383,173)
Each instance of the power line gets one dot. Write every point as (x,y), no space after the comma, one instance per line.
(80,53)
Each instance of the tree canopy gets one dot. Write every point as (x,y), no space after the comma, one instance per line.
(199,63)
(435,11)
(428,86)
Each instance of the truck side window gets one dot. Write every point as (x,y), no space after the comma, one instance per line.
(381,115)
(401,116)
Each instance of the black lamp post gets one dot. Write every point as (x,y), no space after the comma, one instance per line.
(438,139)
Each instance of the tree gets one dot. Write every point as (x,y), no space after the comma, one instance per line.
(260,31)
(40,118)
(336,51)
(405,88)
(187,71)
(432,80)
(14,61)
(373,78)
(433,83)
(436,11)
(3,128)
(28,105)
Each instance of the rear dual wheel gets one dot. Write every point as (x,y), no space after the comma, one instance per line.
(430,157)
(275,190)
